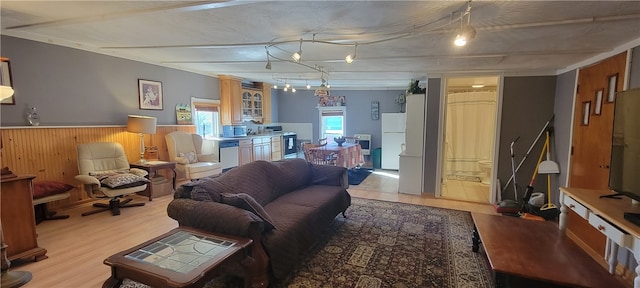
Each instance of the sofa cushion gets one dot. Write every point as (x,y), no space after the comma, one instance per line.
(207,189)
(300,216)
(266,181)
(120,181)
(47,188)
(246,202)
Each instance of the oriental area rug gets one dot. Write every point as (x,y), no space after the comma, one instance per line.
(385,244)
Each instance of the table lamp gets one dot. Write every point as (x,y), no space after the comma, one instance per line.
(142,125)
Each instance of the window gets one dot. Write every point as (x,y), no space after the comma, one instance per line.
(332,122)
(206,117)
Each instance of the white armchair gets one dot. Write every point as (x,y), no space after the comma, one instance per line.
(104,170)
(186,150)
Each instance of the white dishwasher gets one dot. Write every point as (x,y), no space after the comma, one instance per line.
(228,154)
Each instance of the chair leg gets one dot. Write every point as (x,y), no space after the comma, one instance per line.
(43,213)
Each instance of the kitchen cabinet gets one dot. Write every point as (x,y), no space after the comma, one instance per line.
(252,104)
(262,148)
(276,148)
(230,100)
(245,151)
(238,103)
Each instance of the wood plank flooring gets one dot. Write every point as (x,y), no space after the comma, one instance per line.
(77,246)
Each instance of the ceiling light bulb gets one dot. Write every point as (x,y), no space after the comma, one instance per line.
(308,86)
(287,85)
(293,89)
(275,86)
(460,40)
(328,85)
(348,59)
(296,56)
(285,89)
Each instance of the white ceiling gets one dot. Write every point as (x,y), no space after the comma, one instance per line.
(397,40)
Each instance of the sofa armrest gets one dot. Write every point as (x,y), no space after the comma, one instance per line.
(329,175)
(215,217)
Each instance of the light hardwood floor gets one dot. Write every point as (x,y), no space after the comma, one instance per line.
(77,246)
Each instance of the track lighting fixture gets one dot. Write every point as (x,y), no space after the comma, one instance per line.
(268,66)
(349,59)
(467,31)
(296,56)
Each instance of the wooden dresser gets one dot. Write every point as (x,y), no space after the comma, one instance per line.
(18,219)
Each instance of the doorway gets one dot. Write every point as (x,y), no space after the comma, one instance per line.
(470,113)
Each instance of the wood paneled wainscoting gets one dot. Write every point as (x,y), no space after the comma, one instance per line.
(50,152)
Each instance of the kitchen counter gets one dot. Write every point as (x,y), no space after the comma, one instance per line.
(245,137)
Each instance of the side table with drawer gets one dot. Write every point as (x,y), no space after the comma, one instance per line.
(152,168)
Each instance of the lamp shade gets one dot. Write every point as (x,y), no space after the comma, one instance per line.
(5,92)
(141,124)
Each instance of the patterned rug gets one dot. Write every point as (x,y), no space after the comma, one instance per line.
(385,244)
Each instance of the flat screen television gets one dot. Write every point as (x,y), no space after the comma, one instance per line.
(624,172)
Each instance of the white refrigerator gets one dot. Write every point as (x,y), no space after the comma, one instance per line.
(393,139)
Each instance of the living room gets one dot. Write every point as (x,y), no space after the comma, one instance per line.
(83,96)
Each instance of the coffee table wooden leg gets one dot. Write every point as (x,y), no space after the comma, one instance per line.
(476,240)
(112,282)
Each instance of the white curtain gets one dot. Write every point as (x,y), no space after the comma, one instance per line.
(470,127)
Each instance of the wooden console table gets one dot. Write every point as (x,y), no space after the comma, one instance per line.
(18,219)
(528,253)
(606,215)
(152,168)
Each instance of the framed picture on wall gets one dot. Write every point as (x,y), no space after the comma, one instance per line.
(150,94)
(598,108)
(613,88)
(5,80)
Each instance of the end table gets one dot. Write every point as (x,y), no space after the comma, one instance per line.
(152,167)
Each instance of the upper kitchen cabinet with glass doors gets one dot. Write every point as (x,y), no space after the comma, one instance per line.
(252,103)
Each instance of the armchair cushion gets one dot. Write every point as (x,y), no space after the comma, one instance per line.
(246,202)
(190,156)
(125,180)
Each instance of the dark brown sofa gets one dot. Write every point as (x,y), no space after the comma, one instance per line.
(283,206)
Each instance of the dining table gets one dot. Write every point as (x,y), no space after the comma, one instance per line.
(347,155)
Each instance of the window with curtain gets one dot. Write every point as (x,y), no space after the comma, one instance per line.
(206,117)
(332,122)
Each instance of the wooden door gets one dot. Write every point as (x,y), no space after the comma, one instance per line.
(591,146)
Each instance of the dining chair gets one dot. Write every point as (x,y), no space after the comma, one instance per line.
(319,156)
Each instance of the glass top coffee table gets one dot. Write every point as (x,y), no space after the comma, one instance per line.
(183,257)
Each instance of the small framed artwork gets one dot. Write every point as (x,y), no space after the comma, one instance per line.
(586,112)
(375,110)
(150,94)
(5,80)
(613,88)
(598,109)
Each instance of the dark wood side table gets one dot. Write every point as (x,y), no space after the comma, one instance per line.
(152,168)
(182,257)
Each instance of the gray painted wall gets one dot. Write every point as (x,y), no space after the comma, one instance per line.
(74,87)
(527,105)
(634,71)
(561,138)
